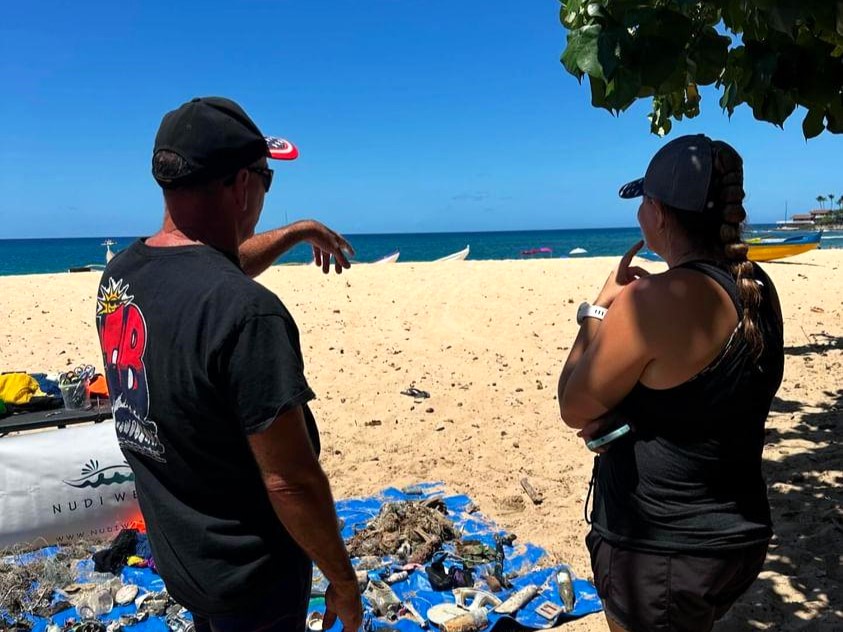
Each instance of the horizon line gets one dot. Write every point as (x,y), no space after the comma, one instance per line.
(370,234)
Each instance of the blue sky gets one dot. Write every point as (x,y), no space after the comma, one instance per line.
(410,115)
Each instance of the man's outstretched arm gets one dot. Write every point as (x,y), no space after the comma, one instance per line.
(262,250)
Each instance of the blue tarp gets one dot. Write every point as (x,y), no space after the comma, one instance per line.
(523,559)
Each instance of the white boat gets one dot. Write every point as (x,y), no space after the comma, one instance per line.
(456,256)
(109,254)
(88,267)
(389,258)
(578,251)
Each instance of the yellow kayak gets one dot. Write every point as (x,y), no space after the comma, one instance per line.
(769,250)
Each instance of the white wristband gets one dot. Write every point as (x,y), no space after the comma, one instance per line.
(587,310)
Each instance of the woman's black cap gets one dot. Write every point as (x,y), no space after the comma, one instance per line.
(678,175)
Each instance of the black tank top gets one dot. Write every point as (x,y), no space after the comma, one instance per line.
(688,478)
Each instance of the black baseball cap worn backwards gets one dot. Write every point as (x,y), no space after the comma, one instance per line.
(215,137)
(679,175)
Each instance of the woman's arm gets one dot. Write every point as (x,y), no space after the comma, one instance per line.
(576,401)
(610,361)
(588,330)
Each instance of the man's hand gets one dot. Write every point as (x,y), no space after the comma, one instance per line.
(260,251)
(622,276)
(326,244)
(343,601)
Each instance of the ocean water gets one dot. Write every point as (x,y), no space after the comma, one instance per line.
(37,256)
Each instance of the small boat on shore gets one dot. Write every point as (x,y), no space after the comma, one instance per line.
(544,250)
(89,267)
(780,248)
(456,256)
(392,258)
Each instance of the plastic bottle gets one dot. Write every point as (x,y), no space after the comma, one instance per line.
(385,602)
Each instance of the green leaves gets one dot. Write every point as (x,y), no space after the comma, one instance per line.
(709,52)
(580,57)
(622,90)
(813,123)
(775,107)
(834,116)
(789,53)
(609,52)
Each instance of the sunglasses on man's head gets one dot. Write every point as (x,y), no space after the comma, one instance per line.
(264,173)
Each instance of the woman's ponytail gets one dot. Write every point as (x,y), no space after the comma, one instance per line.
(726,194)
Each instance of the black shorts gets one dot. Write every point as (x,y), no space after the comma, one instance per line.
(283,610)
(677,592)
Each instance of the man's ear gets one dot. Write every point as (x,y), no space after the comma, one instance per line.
(240,189)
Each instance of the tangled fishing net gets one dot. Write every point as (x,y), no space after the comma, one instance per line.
(410,531)
(28,580)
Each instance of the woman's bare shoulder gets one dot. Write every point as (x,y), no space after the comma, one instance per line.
(676,284)
(660,289)
(658,303)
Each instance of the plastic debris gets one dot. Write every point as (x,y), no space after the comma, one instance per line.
(384,602)
(517,600)
(566,589)
(126,594)
(94,603)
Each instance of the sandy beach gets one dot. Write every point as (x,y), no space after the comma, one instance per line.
(487,339)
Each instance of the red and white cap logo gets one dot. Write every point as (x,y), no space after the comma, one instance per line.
(281,149)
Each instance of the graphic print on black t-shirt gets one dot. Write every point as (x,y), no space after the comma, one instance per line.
(122,330)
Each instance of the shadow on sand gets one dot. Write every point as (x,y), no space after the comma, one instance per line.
(801,586)
(819,344)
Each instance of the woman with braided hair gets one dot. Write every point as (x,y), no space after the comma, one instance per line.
(690,360)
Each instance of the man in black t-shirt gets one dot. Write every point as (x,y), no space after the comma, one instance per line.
(207,382)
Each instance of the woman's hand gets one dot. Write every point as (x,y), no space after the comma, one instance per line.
(622,276)
(599,427)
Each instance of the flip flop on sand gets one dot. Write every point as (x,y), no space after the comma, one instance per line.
(414,392)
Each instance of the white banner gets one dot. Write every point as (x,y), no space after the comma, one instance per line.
(65,484)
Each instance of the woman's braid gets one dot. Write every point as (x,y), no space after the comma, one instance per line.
(727,194)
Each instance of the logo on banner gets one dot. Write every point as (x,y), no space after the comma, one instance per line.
(122,330)
(94,476)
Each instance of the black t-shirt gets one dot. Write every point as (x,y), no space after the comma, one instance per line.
(689,477)
(198,356)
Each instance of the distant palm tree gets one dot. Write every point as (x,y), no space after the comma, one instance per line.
(840,203)
(821,199)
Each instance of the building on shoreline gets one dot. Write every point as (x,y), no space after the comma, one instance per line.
(803,221)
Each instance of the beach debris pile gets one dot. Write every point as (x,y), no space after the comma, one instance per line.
(472,572)
(28,580)
(410,531)
(81,582)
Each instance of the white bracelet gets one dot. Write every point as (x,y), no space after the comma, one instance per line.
(587,310)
